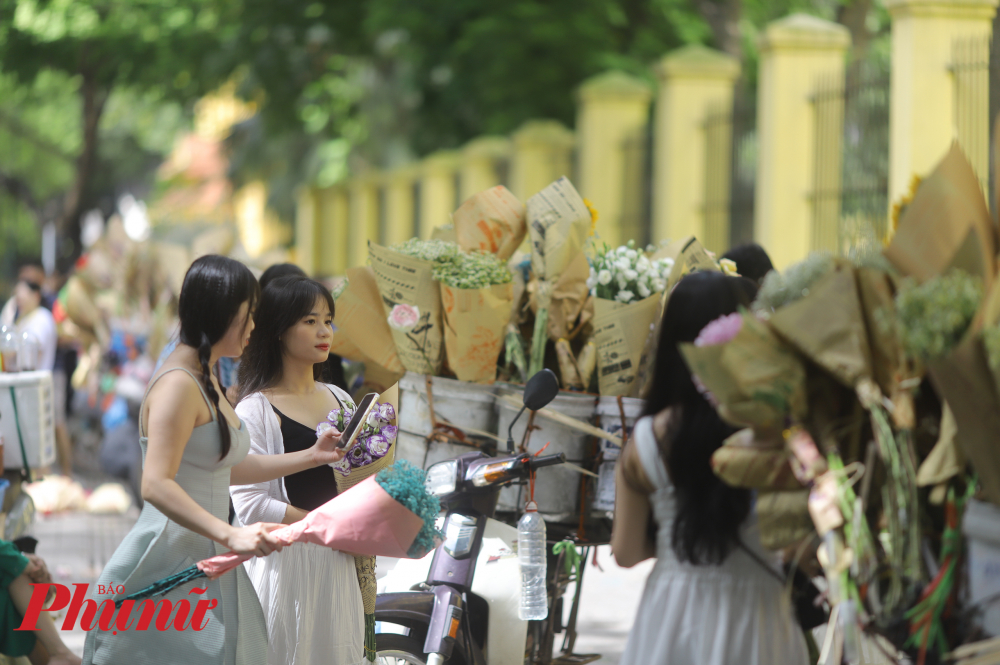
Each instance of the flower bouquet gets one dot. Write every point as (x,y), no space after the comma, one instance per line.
(559,223)
(625,274)
(626,285)
(755,379)
(371,452)
(404,274)
(476,295)
(387,514)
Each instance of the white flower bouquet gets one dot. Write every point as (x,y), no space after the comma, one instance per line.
(626,275)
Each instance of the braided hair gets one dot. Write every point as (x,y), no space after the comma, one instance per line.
(214,289)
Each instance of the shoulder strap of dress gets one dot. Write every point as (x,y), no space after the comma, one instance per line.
(201,389)
(649,453)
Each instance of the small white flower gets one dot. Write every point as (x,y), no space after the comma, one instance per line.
(659,284)
(644,291)
(631,254)
(643,264)
(623,263)
(604,277)
(625,296)
(622,282)
(631,275)
(592,281)
(621,250)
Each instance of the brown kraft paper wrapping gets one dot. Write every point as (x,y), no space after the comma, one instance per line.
(474,324)
(965,382)
(933,230)
(491,221)
(689,256)
(620,333)
(828,326)
(405,280)
(569,299)
(755,377)
(362,331)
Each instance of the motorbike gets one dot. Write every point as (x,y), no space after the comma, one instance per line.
(454,615)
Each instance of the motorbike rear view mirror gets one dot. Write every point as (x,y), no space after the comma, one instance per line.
(541,389)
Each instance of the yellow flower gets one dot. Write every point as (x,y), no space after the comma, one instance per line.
(899,206)
(593,215)
(728,267)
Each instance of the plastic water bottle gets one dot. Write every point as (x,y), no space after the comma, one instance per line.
(531,554)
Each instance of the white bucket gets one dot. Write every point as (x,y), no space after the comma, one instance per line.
(981,525)
(610,416)
(557,488)
(460,403)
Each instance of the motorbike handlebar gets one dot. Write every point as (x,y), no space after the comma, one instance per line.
(548,460)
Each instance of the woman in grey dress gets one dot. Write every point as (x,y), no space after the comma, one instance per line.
(194,446)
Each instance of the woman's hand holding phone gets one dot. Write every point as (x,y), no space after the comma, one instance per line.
(326,450)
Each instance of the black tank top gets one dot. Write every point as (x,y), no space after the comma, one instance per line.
(311,488)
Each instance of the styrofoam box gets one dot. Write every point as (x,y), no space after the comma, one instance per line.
(981,525)
(35,409)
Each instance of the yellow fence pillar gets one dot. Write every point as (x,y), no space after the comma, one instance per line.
(437,190)
(922,122)
(364,218)
(307,229)
(398,215)
(483,160)
(332,234)
(797,52)
(613,109)
(693,80)
(543,152)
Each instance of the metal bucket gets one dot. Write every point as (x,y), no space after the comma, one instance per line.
(610,416)
(557,488)
(460,403)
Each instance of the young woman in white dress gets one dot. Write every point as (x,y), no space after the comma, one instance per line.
(310,594)
(708,600)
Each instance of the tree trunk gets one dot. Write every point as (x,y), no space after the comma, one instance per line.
(854,16)
(94,99)
(723,17)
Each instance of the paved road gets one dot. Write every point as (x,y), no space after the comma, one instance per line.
(77,546)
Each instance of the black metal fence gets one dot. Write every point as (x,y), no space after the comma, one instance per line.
(851,187)
(637,186)
(973,79)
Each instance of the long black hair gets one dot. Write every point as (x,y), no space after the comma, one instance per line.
(709,512)
(282,304)
(214,289)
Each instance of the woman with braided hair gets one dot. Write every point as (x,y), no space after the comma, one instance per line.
(194,448)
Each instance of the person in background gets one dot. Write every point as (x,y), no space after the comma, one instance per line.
(18,572)
(713,597)
(751,261)
(30,309)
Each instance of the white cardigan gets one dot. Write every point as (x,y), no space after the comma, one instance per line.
(264,502)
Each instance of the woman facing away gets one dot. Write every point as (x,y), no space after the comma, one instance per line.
(709,599)
(310,594)
(194,446)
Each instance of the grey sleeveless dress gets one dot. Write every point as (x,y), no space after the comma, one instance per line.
(235,633)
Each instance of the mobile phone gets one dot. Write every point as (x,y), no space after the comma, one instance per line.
(360,416)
